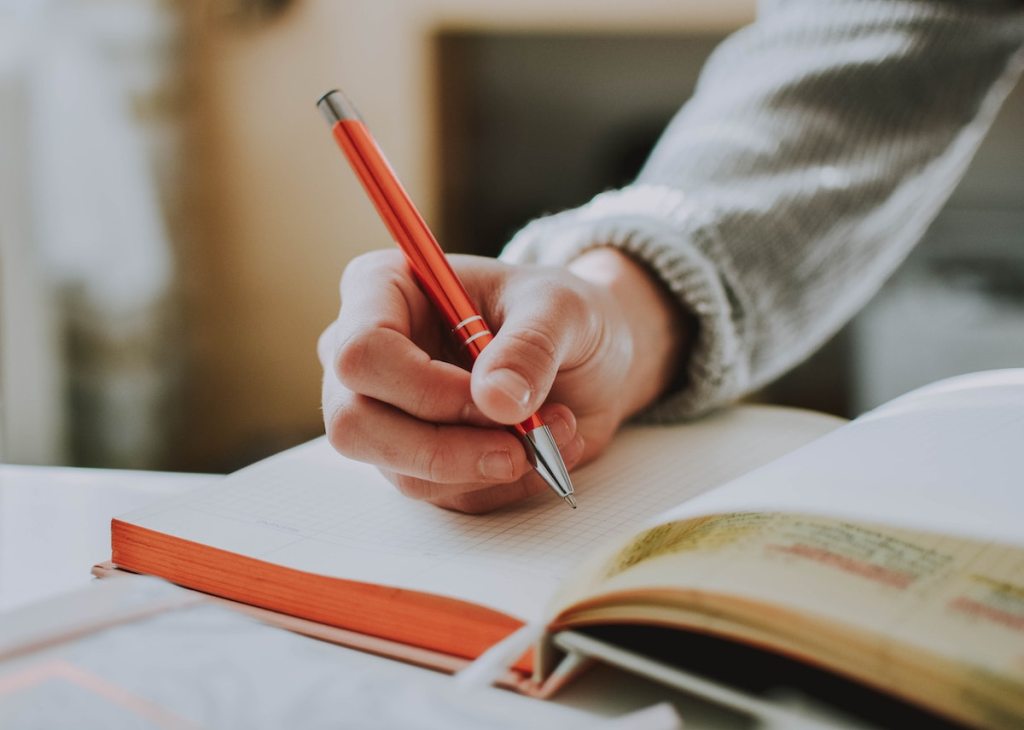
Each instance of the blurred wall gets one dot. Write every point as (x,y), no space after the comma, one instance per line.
(89,342)
(277,214)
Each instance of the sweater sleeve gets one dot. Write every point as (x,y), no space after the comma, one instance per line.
(820,143)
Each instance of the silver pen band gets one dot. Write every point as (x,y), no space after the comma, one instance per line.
(469,339)
(466,321)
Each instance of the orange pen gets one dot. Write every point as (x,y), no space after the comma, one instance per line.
(431,268)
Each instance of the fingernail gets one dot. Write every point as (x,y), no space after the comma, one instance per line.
(511,384)
(496,465)
(561,429)
(573,452)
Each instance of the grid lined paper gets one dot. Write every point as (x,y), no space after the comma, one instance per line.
(314,510)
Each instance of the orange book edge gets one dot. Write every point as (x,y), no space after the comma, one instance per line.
(435,631)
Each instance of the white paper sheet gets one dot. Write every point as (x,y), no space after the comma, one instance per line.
(946,458)
(315,511)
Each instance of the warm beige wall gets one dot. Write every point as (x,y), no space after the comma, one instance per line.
(278,214)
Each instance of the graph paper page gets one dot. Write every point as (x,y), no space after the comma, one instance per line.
(315,511)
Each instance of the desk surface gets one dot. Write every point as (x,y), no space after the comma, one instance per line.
(54,525)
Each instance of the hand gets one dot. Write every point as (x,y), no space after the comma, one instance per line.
(586,346)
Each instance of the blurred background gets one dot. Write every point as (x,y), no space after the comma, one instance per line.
(174,216)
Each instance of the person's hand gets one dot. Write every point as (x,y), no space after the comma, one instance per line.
(586,346)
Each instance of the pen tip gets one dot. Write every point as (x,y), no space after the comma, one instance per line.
(571,500)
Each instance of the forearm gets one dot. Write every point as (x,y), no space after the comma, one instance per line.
(820,143)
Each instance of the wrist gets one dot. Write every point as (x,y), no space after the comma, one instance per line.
(659,327)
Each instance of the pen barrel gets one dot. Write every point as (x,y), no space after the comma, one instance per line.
(528,425)
(426,259)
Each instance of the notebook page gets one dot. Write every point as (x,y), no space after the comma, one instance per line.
(313,510)
(947,458)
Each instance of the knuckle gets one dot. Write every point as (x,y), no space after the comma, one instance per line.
(351,358)
(364,266)
(343,427)
(410,487)
(365,263)
(325,342)
(425,402)
(469,503)
(437,462)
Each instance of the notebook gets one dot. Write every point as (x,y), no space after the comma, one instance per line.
(887,551)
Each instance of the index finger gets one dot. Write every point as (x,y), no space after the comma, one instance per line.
(375,352)
(378,290)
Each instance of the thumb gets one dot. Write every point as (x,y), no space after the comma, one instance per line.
(513,375)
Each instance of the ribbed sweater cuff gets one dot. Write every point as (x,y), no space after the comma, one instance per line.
(657,226)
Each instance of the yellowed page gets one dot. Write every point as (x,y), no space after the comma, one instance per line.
(907,596)
(959,597)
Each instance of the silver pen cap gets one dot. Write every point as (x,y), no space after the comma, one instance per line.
(336,107)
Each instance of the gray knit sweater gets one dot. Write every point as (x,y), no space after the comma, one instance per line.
(820,143)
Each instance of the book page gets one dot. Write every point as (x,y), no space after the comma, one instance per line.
(921,614)
(894,539)
(954,596)
(313,510)
(948,458)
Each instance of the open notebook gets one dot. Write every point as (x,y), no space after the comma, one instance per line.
(316,515)
(889,551)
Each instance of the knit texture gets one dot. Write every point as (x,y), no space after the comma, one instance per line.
(820,143)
